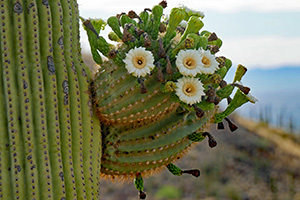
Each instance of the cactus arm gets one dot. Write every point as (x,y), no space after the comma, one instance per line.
(5,178)
(51,99)
(37,85)
(11,102)
(90,153)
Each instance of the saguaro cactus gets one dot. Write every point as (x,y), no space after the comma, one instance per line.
(153,97)
(50,142)
(158,89)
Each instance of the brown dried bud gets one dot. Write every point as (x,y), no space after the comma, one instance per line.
(138,31)
(211,140)
(220,126)
(210,92)
(163,4)
(143,88)
(194,172)
(132,14)
(162,28)
(112,54)
(217,100)
(229,99)
(212,37)
(160,75)
(221,60)
(231,125)
(199,112)
(90,26)
(169,67)
(142,195)
(161,51)
(244,89)
(222,84)
(147,40)
(213,49)
(210,99)
(126,36)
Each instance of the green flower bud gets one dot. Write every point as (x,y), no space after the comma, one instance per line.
(176,16)
(239,73)
(113,22)
(193,26)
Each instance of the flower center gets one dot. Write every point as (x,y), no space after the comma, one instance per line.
(139,62)
(189,89)
(206,62)
(189,63)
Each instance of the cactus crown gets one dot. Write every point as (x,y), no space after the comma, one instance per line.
(158,88)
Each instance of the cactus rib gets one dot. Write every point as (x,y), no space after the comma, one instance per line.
(11,101)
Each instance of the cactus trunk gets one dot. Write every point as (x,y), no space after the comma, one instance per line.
(50,141)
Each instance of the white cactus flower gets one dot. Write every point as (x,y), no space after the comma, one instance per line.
(189,62)
(210,65)
(189,90)
(139,62)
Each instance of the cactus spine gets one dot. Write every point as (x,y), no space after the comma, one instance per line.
(50,143)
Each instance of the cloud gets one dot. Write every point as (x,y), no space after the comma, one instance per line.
(262,51)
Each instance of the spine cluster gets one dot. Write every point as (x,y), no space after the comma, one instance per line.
(50,142)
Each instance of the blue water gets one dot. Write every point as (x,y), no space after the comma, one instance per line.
(278,92)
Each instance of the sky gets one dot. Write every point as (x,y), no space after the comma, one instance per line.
(258,34)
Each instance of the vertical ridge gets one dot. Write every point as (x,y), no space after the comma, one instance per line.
(64,95)
(11,102)
(38,96)
(49,69)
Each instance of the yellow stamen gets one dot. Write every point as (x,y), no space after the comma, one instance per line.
(189,63)
(189,89)
(206,62)
(139,62)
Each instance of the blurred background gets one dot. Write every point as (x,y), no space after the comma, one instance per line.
(261,160)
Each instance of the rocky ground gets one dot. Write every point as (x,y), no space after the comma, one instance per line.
(244,165)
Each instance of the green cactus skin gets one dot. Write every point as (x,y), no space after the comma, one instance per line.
(50,145)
